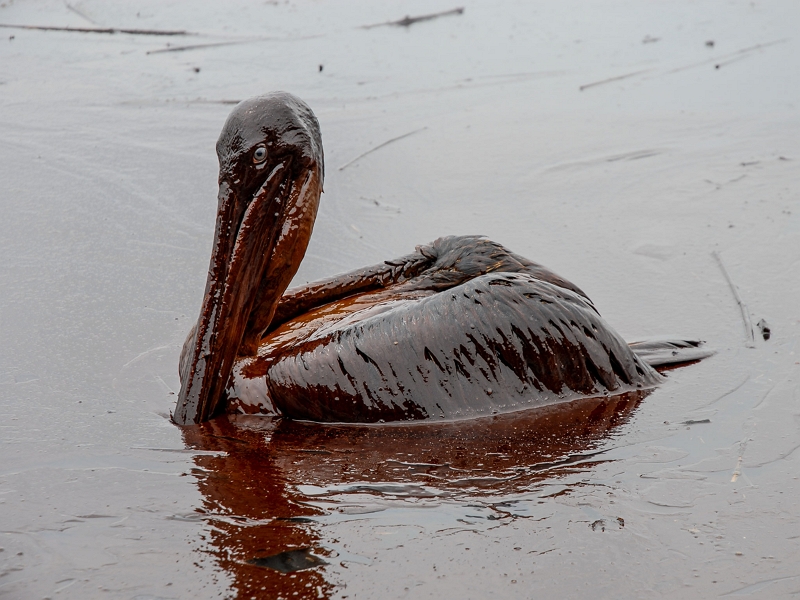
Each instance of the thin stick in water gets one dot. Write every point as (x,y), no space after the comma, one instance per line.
(197,46)
(409,21)
(107,30)
(727,56)
(748,324)
(379,146)
(612,79)
(235,42)
(81,14)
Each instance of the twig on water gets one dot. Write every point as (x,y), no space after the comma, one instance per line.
(203,101)
(80,13)
(719,62)
(106,30)
(611,79)
(197,46)
(737,472)
(409,21)
(379,146)
(737,58)
(726,394)
(251,40)
(748,324)
(731,56)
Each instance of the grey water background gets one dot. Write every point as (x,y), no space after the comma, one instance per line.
(607,140)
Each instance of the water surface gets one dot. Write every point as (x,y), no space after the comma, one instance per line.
(610,141)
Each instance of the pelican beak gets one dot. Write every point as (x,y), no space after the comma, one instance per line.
(260,239)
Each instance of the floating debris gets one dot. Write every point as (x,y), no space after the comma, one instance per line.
(409,21)
(766,332)
(612,79)
(106,30)
(379,146)
(289,561)
(748,324)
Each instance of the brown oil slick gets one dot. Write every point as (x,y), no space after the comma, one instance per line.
(461,328)
(269,538)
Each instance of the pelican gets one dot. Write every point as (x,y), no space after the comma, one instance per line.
(460,328)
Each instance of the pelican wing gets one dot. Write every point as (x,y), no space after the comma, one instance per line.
(499,342)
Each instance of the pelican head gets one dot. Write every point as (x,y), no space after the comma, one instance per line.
(270,180)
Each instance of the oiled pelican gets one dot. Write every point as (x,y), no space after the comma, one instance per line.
(460,328)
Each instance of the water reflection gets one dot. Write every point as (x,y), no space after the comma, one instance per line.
(263,478)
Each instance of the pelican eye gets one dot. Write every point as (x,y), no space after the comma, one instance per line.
(260,155)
